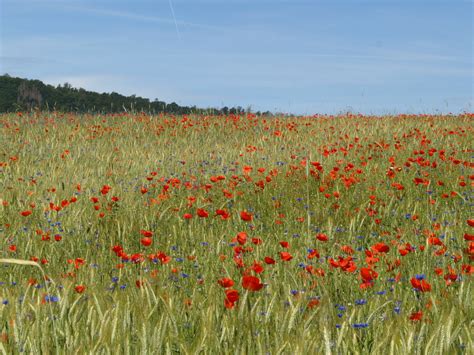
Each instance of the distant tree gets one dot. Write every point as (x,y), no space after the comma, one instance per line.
(23,94)
(29,96)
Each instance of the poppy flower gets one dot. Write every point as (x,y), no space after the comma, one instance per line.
(26,213)
(416,316)
(146,233)
(470,222)
(146,241)
(322,237)
(242,238)
(80,288)
(202,213)
(420,285)
(226,282)
(285,256)
(313,254)
(229,304)
(245,216)
(269,261)
(257,268)
(105,189)
(368,274)
(232,295)
(381,248)
(223,213)
(251,283)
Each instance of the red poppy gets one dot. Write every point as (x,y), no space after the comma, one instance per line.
(223,213)
(420,285)
(322,237)
(26,213)
(285,256)
(251,283)
(470,222)
(269,261)
(80,288)
(245,216)
(202,213)
(226,282)
(368,274)
(381,248)
(146,241)
(187,216)
(146,233)
(228,304)
(257,268)
(285,244)
(105,189)
(242,238)
(232,295)
(416,316)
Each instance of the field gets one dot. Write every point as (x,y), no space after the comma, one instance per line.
(240,234)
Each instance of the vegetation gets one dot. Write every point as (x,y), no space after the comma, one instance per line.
(18,94)
(133,233)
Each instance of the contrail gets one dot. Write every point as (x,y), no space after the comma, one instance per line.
(174,19)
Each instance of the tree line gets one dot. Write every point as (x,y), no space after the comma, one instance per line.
(17,94)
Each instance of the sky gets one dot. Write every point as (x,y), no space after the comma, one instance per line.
(303,57)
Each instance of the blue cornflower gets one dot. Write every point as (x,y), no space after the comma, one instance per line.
(48,298)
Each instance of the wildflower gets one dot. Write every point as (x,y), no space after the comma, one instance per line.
(416,316)
(80,288)
(251,283)
(226,282)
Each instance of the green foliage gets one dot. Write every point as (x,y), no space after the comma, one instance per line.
(18,94)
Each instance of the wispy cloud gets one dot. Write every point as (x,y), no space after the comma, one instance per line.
(138,17)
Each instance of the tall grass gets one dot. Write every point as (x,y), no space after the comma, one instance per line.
(179,305)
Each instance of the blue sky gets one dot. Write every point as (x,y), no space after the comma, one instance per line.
(305,57)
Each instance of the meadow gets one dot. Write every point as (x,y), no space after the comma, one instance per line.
(133,233)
